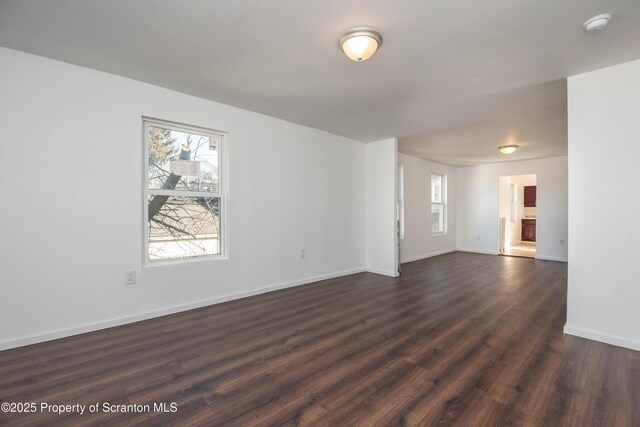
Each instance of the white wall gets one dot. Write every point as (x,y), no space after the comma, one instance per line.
(604,177)
(419,242)
(71,218)
(478,205)
(381,173)
(513,225)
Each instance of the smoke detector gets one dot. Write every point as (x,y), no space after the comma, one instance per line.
(596,23)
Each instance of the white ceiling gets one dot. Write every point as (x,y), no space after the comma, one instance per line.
(442,65)
(538,133)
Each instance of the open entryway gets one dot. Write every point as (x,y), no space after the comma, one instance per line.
(517,216)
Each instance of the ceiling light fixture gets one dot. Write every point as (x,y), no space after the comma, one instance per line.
(596,23)
(508,149)
(360,43)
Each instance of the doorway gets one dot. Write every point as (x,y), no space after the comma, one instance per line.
(517,215)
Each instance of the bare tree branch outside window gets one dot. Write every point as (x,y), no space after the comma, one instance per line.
(182,226)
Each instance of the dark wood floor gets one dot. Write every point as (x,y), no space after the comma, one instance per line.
(460,339)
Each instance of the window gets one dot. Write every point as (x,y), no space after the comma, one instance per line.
(513,200)
(183,196)
(438,203)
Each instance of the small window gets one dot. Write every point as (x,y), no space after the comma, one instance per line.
(438,203)
(513,203)
(183,197)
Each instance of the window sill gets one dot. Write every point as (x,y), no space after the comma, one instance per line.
(169,263)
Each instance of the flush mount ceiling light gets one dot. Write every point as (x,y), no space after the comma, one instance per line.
(508,149)
(360,43)
(596,23)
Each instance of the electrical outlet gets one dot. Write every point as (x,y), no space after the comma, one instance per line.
(130,277)
(562,242)
(303,253)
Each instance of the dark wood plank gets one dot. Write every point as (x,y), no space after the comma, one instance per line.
(459,339)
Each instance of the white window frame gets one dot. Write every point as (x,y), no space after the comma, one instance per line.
(513,203)
(443,201)
(221,193)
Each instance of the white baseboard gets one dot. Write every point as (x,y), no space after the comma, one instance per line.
(383,272)
(609,339)
(96,326)
(430,255)
(550,258)
(476,251)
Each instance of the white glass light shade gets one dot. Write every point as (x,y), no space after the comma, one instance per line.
(507,149)
(359,44)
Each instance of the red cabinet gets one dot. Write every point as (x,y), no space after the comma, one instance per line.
(528,230)
(530,196)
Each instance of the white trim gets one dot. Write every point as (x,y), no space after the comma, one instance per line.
(183,127)
(550,258)
(596,336)
(178,261)
(96,326)
(430,255)
(476,251)
(401,200)
(181,193)
(383,272)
